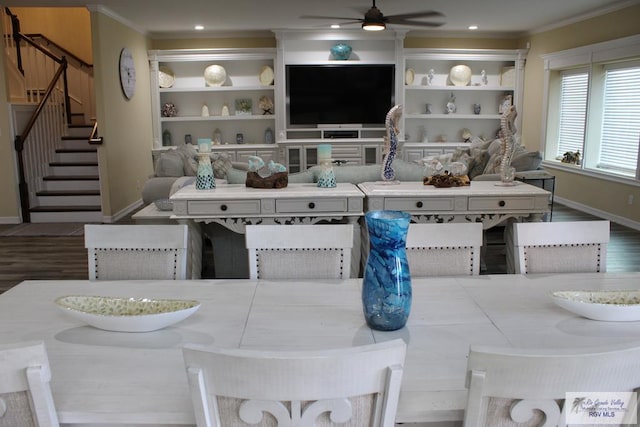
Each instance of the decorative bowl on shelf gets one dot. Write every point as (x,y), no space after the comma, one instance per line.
(266,75)
(215,75)
(611,306)
(341,51)
(460,75)
(126,314)
(166,78)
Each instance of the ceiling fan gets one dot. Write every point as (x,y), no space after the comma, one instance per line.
(374,20)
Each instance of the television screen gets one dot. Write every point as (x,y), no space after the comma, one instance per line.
(339,94)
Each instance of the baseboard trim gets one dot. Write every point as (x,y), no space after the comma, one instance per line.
(122,213)
(10,220)
(597,212)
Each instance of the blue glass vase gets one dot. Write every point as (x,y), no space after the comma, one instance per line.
(386,286)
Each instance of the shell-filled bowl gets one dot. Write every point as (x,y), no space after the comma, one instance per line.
(127,314)
(611,306)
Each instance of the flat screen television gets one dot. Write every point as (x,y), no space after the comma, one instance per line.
(336,94)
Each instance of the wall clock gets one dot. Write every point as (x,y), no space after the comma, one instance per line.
(127,73)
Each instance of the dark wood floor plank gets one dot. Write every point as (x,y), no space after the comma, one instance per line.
(24,258)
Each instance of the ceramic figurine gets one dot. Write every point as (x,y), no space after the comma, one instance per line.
(451,104)
(276,167)
(430,76)
(205,111)
(483,75)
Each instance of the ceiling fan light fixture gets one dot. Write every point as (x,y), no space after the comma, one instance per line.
(373,26)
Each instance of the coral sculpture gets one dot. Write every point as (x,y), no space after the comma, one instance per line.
(272,175)
(390,143)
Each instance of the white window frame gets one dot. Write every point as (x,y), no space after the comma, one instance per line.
(593,59)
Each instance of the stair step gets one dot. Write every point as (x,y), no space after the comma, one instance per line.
(50,193)
(68,216)
(66,155)
(71,185)
(75,168)
(65,208)
(75,137)
(77,150)
(71,178)
(72,164)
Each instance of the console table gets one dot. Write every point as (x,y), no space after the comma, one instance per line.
(227,209)
(483,201)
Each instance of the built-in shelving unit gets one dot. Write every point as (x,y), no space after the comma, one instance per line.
(497,76)
(190,92)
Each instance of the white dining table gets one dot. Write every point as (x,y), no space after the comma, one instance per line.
(138,378)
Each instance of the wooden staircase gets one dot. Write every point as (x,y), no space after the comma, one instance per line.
(70,192)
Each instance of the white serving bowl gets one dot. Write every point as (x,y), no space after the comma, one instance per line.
(460,75)
(612,306)
(126,314)
(215,75)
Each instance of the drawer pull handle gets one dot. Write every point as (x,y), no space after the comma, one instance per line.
(419,204)
(502,203)
(312,205)
(223,207)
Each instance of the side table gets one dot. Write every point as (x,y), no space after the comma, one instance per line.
(542,179)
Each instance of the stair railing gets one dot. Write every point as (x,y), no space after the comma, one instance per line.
(43,128)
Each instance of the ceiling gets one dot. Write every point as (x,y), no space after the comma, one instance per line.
(494,18)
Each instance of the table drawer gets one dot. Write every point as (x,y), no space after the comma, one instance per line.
(223,207)
(501,203)
(414,204)
(311,205)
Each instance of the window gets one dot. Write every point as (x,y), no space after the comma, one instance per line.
(621,120)
(573,112)
(593,107)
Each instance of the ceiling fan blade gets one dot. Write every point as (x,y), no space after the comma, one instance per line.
(425,14)
(330,18)
(412,23)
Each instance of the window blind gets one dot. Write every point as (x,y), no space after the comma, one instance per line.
(621,120)
(573,112)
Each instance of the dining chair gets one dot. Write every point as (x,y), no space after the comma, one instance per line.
(358,386)
(560,247)
(299,251)
(25,395)
(527,387)
(444,249)
(118,252)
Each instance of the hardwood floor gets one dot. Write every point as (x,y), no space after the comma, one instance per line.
(24,258)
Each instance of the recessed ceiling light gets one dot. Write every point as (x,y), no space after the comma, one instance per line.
(473,27)
(334,26)
(199,27)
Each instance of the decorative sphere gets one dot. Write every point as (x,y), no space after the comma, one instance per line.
(215,75)
(460,75)
(341,51)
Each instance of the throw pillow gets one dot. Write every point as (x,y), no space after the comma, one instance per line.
(480,157)
(221,164)
(526,160)
(189,156)
(169,164)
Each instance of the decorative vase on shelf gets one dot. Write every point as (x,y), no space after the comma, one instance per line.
(166,138)
(204,176)
(386,285)
(341,51)
(327,178)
